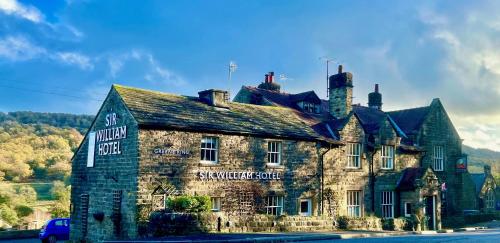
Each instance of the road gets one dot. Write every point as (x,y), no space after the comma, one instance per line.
(492,235)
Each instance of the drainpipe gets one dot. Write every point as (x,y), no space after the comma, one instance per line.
(322,177)
(372,182)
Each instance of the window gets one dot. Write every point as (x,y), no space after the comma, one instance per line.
(387,155)
(274,205)
(215,203)
(387,204)
(438,158)
(490,199)
(305,207)
(209,147)
(354,204)
(158,202)
(407,209)
(353,155)
(59,223)
(274,153)
(310,107)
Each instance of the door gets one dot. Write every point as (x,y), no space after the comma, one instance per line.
(430,212)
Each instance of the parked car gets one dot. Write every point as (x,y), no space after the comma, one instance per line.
(55,230)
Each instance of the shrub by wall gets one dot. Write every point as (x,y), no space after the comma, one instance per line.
(363,223)
(398,224)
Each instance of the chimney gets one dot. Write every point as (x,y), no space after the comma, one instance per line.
(340,96)
(487,170)
(375,99)
(269,83)
(215,97)
(271,77)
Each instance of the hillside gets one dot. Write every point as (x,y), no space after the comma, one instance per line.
(60,120)
(480,157)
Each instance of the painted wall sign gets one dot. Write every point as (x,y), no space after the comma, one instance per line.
(180,152)
(238,175)
(108,139)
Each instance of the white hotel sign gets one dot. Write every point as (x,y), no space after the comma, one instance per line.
(107,140)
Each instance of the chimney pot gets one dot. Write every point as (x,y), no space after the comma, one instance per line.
(340,69)
(267,78)
(376,88)
(271,77)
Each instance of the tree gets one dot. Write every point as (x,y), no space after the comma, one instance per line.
(62,194)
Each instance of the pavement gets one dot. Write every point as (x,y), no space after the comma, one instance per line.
(484,232)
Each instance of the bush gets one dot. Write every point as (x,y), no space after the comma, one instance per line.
(189,204)
(343,222)
(482,217)
(162,223)
(398,224)
(23,210)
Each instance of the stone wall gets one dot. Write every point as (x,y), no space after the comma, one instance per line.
(299,168)
(110,173)
(438,130)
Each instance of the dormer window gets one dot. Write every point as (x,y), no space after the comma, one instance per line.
(309,107)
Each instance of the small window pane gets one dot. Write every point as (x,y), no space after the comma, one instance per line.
(208,149)
(353,153)
(353,204)
(274,152)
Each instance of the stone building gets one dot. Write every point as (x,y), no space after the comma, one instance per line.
(267,152)
(485,190)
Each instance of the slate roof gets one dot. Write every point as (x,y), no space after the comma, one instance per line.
(478,180)
(157,109)
(288,100)
(408,178)
(370,118)
(410,120)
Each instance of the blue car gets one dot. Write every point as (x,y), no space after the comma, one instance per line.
(55,230)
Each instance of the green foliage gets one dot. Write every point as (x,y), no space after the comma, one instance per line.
(23,210)
(189,204)
(61,193)
(343,222)
(8,214)
(14,203)
(60,120)
(37,152)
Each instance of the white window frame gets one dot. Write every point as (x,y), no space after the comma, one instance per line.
(216,203)
(387,204)
(353,203)
(353,155)
(406,213)
(274,149)
(489,199)
(387,157)
(309,207)
(162,197)
(211,144)
(274,205)
(438,158)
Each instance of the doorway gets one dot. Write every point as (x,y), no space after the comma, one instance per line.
(430,211)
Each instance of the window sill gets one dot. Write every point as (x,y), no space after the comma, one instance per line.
(275,166)
(208,163)
(353,169)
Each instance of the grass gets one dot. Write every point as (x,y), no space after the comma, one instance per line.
(42,190)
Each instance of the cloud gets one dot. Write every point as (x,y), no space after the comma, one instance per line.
(12,7)
(73,58)
(152,70)
(18,48)
(469,70)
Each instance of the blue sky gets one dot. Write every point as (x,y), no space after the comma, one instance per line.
(63,56)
